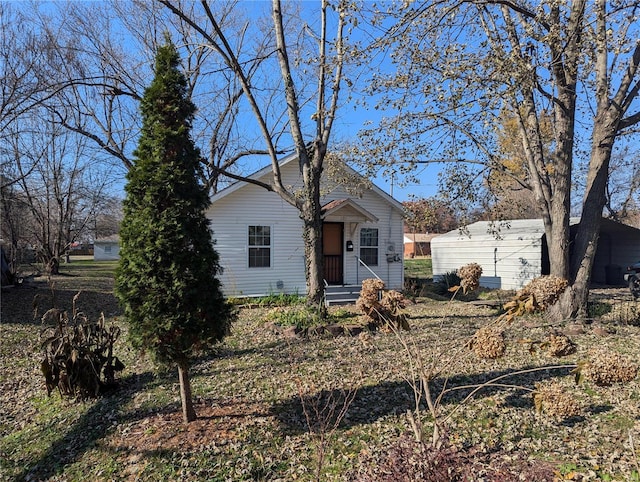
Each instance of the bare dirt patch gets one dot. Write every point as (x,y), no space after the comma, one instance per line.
(215,424)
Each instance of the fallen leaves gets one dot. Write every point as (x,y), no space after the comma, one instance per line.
(250,422)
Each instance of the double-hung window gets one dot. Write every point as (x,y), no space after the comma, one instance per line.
(259,246)
(369,246)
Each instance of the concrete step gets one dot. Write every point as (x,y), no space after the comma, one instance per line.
(341,294)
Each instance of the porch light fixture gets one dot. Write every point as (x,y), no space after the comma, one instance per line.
(349,245)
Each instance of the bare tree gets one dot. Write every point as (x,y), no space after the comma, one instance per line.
(325,66)
(459,65)
(624,187)
(58,190)
(99,55)
(21,51)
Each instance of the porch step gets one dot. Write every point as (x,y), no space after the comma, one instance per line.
(341,294)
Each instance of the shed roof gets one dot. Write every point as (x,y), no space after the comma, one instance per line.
(515,229)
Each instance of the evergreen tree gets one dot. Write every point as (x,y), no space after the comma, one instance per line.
(166,280)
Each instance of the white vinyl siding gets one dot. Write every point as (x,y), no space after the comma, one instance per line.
(513,257)
(508,260)
(106,249)
(232,212)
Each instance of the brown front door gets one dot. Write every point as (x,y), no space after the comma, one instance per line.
(332,237)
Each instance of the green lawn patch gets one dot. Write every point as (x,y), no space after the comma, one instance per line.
(418,268)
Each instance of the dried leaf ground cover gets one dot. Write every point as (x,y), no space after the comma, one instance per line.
(263,398)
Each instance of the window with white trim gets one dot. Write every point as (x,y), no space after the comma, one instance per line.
(369,246)
(259,246)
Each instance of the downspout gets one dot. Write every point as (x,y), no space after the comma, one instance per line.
(390,243)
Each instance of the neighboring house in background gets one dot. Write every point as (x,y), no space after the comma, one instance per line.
(512,253)
(107,248)
(417,244)
(259,235)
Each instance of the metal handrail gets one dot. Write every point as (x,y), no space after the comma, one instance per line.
(366,266)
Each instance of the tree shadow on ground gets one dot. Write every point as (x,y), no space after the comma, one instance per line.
(372,402)
(26,305)
(94,425)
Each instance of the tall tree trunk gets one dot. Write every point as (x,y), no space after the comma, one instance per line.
(188,412)
(312,233)
(574,301)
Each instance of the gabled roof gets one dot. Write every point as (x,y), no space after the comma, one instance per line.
(114,238)
(347,209)
(256,176)
(283,162)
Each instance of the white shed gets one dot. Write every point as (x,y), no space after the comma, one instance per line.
(259,236)
(514,252)
(107,248)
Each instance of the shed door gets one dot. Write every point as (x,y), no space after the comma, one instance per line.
(332,235)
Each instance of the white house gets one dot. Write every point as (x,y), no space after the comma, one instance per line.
(514,252)
(259,236)
(107,248)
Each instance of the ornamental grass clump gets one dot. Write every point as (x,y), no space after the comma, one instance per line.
(552,399)
(605,368)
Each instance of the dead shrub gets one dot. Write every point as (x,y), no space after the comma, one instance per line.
(551,398)
(408,460)
(78,354)
(605,368)
(488,343)
(470,277)
(558,344)
(544,290)
(382,307)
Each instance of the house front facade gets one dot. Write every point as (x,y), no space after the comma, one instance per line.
(259,236)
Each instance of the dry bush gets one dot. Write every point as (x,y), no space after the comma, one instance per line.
(382,307)
(551,398)
(408,460)
(470,277)
(626,312)
(488,342)
(78,354)
(546,290)
(558,344)
(537,296)
(606,368)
